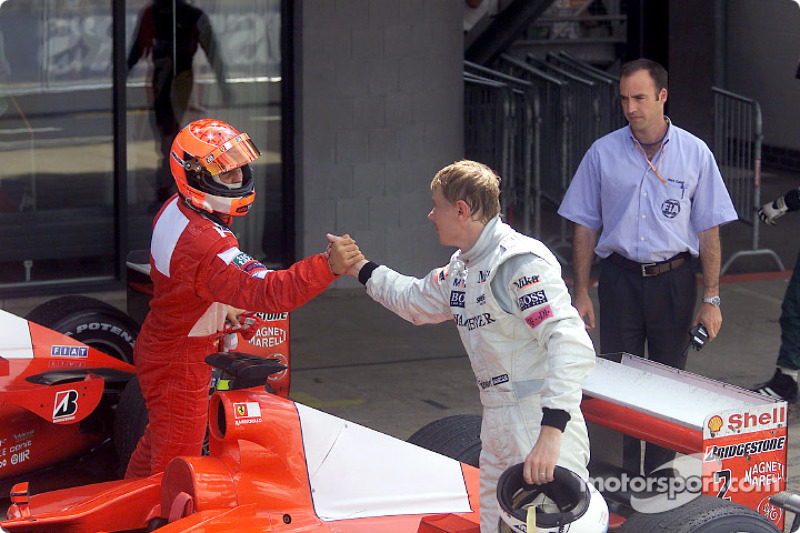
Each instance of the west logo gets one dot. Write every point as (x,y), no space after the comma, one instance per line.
(474,322)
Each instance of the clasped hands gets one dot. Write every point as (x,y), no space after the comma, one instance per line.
(343,255)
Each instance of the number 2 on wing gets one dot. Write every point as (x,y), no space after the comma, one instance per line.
(723,476)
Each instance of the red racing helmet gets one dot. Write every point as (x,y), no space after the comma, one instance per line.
(201,152)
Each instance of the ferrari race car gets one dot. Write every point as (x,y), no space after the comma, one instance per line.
(273,465)
(57,397)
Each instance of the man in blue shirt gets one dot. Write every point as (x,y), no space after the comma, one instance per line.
(654,195)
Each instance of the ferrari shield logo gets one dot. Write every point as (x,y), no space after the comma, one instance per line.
(247,413)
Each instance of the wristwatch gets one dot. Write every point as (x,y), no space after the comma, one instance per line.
(714,300)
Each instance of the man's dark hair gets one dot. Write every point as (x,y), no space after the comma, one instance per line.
(656,71)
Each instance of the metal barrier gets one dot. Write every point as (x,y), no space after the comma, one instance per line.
(486,104)
(737,148)
(549,117)
(553,143)
(516,135)
(611,115)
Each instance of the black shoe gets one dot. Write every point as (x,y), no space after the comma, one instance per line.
(781,387)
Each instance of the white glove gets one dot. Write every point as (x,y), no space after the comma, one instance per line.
(771,212)
(230,342)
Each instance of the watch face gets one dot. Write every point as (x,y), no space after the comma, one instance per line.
(714,300)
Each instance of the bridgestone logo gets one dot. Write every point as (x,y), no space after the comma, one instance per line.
(745,448)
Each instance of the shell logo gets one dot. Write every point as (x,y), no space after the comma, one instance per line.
(715,423)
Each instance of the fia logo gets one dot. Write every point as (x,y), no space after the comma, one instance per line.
(65,405)
(670,208)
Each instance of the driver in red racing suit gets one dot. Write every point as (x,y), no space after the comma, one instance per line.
(199,274)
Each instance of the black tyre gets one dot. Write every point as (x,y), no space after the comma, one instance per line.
(704,514)
(457,437)
(98,324)
(130,421)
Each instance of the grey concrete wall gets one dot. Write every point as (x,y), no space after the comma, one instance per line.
(379,103)
(762,52)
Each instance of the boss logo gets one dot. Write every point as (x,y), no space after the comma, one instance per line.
(533,299)
(457,299)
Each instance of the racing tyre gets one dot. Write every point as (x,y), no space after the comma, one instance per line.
(704,514)
(98,324)
(457,437)
(130,421)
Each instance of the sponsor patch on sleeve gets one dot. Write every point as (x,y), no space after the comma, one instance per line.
(525,281)
(441,274)
(249,265)
(532,299)
(539,316)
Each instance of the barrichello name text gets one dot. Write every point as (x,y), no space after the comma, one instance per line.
(474,322)
(241,421)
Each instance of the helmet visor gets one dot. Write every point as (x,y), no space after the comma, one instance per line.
(232,154)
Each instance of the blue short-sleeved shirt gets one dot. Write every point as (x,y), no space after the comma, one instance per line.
(641,217)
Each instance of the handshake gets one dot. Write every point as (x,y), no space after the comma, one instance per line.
(771,212)
(343,255)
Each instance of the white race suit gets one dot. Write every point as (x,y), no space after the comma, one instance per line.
(526,342)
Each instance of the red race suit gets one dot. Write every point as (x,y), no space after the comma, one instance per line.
(198,271)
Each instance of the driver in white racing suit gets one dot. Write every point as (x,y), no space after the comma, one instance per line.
(527,344)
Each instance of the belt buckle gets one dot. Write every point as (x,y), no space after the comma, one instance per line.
(644,270)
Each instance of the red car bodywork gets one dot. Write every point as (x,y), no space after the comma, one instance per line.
(275,466)
(50,388)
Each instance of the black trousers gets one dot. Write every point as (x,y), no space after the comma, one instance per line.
(653,313)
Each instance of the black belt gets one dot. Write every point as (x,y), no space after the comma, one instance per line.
(648,270)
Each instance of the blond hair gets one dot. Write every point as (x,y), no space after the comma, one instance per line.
(474,183)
